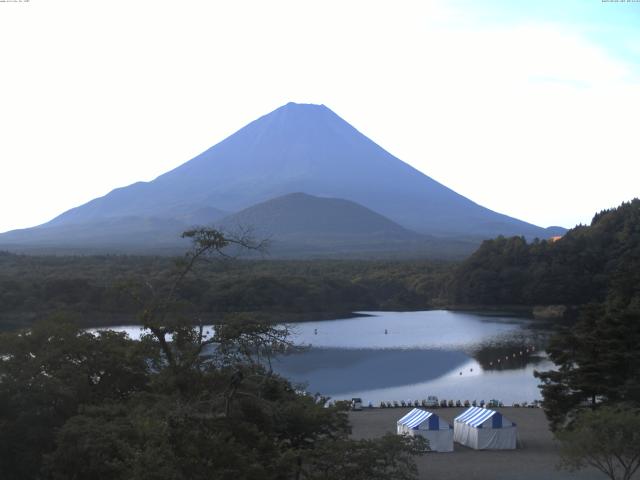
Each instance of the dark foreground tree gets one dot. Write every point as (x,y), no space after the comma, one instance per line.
(607,439)
(387,457)
(186,402)
(598,362)
(47,374)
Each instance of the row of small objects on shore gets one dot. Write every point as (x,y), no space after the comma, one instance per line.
(451,404)
(441,404)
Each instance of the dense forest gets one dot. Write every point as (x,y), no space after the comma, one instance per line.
(596,350)
(592,395)
(582,267)
(101,290)
(596,270)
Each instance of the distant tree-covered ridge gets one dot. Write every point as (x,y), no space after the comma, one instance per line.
(98,289)
(586,265)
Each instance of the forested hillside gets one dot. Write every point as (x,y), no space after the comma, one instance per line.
(596,352)
(584,266)
(596,270)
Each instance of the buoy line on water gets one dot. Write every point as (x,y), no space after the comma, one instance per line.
(514,355)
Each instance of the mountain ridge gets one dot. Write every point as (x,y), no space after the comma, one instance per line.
(297,148)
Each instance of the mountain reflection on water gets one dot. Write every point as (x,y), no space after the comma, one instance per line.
(453,355)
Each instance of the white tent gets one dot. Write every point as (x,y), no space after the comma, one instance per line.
(430,426)
(482,429)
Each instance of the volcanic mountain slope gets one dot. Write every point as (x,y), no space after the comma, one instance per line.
(294,225)
(296,148)
(298,215)
(300,224)
(103,235)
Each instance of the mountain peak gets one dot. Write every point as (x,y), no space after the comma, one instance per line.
(301,112)
(304,105)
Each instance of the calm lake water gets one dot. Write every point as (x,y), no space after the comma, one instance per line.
(454,355)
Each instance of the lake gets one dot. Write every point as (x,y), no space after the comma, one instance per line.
(454,355)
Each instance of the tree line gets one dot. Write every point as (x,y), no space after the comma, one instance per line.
(97,290)
(586,265)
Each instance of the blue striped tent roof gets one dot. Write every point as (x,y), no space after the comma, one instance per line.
(475,416)
(414,418)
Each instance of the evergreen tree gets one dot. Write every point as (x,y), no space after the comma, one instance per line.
(183,403)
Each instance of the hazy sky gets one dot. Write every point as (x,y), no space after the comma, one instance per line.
(530,108)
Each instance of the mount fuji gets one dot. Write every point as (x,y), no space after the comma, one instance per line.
(298,148)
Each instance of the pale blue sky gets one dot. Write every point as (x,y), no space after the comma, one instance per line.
(614,26)
(527,107)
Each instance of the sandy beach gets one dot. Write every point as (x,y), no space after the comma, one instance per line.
(536,457)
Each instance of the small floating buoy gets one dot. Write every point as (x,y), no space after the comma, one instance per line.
(385,331)
(498,360)
(471,369)
(315,331)
(460,373)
